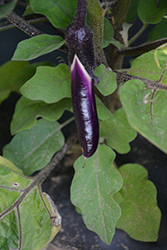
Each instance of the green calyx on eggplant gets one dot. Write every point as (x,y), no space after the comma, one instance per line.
(84,108)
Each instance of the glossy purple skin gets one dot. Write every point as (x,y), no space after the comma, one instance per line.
(84,108)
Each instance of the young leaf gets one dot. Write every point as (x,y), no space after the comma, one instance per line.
(48,84)
(146,112)
(20,203)
(108,33)
(7,8)
(124,32)
(107,78)
(32,149)
(150,13)
(117,132)
(92,189)
(37,46)
(27,112)
(140,214)
(59,12)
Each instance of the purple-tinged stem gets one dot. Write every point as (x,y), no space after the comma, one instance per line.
(80,15)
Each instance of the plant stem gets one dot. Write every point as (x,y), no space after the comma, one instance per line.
(80,15)
(67,122)
(141,49)
(150,84)
(119,12)
(7,25)
(137,34)
(19,22)
(96,23)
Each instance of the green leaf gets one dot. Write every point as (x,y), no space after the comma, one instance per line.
(27,112)
(13,76)
(35,238)
(107,78)
(92,189)
(159,31)
(59,12)
(49,84)
(132,11)
(146,112)
(28,10)
(160,59)
(117,132)
(108,33)
(149,13)
(7,8)
(145,66)
(37,46)
(32,149)
(102,111)
(140,214)
(20,204)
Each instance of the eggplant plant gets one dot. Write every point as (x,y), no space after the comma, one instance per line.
(111,103)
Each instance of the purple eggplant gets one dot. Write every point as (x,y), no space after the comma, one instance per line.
(84,108)
(79,39)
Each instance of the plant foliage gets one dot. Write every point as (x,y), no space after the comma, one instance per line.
(128,101)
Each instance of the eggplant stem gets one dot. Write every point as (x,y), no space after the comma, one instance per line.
(80,15)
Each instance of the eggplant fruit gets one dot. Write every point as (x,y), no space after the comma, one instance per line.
(84,107)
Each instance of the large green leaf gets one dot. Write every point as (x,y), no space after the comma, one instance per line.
(7,8)
(27,112)
(117,132)
(92,189)
(24,220)
(59,12)
(37,46)
(107,79)
(146,112)
(49,84)
(13,76)
(32,149)
(145,66)
(140,214)
(150,13)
